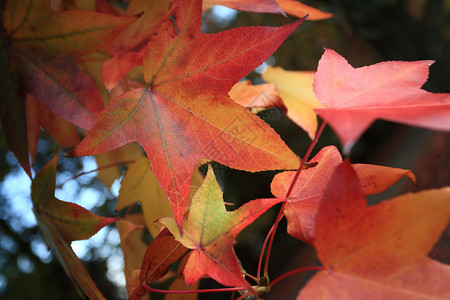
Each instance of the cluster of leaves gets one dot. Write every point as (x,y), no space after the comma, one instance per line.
(156,94)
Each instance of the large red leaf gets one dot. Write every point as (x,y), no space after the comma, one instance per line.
(210,231)
(62,222)
(378,252)
(355,97)
(185,114)
(302,207)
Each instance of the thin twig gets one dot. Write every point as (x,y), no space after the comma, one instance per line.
(147,287)
(95,170)
(300,270)
(288,194)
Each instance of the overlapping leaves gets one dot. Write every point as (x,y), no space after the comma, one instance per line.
(378,252)
(61,223)
(210,231)
(185,114)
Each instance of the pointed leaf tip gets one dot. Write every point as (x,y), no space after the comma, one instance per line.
(361,246)
(187,115)
(356,97)
(210,231)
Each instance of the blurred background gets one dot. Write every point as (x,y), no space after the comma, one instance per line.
(364,32)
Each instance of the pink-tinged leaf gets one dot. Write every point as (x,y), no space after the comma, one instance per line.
(186,114)
(355,97)
(210,231)
(301,209)
(62,87)
(378,252)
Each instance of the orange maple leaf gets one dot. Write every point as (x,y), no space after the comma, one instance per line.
(380,251)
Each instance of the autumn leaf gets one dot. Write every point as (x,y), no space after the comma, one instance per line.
(290,7)
(131,230)
(129,46)
(296,90)
(140,185)
(298,9)
(12,114)
(44,45)
(136,36)
(179,284)
(109,164)
(355,97)
(256,96)
(162,252)
(378,252)
(185,113)
(302,207)
(64,133)
(210,231)
(61,223)
(259,6)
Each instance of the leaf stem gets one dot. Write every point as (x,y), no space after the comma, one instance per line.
(95,170)
(294,272)
(252,277)
(149,288)
(244,296)
(258,272)
(288,194)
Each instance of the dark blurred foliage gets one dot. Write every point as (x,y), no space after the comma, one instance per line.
(364,32)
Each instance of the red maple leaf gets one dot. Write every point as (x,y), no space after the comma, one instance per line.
(380,251)
(355,97)
(185,113)
(302,207)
